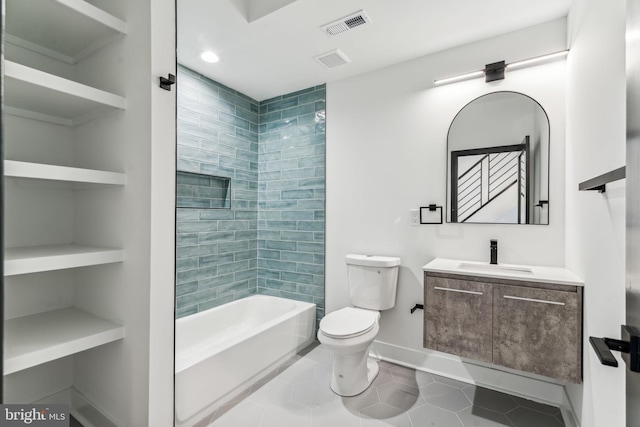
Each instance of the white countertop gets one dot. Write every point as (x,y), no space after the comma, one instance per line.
(531,273)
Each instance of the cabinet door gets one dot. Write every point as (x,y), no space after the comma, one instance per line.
(458,317)
(538,331)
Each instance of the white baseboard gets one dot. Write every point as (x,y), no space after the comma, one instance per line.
(536,389)
(83,410)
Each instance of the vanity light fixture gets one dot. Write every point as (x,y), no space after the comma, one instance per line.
(495,71)
(209,56)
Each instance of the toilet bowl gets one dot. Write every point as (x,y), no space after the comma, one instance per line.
(349,332)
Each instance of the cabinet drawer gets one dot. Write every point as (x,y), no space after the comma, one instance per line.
(458,317)
(538,331)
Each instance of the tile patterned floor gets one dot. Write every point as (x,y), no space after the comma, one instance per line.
(298,395)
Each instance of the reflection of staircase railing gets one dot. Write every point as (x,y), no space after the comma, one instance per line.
(487,179)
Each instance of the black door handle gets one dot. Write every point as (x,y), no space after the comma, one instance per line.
(629,344)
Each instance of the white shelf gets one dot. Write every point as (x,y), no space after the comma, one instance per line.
(35,259)
(38,95)
(40,338)
(16,169)
(67,30)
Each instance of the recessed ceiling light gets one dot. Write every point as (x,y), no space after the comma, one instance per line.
(209,56)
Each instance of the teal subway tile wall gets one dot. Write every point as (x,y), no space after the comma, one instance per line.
(270,237)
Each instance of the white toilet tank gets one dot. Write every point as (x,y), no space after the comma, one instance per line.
(373,281)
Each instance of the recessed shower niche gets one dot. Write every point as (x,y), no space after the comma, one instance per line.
(200,191)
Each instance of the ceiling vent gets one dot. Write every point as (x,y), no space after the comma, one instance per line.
(347,23)
(333,59)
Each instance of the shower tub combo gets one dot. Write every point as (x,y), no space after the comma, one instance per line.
(222,351)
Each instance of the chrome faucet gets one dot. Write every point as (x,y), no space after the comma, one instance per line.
(494,251)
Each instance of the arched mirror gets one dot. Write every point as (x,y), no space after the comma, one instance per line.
(498,161)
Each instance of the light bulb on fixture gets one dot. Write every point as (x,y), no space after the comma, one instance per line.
(495,71)
(209,56)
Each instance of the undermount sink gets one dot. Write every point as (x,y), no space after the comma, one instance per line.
(495,268)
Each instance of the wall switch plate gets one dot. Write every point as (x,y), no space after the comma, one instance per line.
(415,217)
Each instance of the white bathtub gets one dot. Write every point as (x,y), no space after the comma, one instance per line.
(222,351)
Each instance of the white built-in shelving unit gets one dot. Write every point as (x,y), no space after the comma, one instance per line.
(40,338)
(51,101)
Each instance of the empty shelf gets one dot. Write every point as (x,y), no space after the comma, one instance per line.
(40,338)
(42,96)
(18,169)
(67,30)
(33,259)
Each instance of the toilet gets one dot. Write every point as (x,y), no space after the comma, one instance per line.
(349,332)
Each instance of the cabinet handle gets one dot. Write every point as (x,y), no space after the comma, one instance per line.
(533,300)
(457,290)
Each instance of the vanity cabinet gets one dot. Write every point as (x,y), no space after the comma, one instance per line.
(537,330)
(463,323)
(529,326)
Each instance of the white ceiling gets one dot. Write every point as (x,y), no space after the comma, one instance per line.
(274,54)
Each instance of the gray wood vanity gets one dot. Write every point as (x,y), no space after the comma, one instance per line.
(523,318)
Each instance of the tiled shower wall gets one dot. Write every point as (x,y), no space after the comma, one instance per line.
(271,240)
(216,253)
(291,196)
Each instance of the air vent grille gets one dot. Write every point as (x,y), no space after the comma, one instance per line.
(333,59)
(347,23)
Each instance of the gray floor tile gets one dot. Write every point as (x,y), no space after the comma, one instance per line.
(301,371)
(288,414)
(489,399)
(475,416)
(524,417)
(275,392)
(382,414)
(312,394)
(404,375)
(424,378)
(384,376)
(436,417)
(445,396)
(399,395)
(334,414)
(366,398)
(298,394)
(540,407)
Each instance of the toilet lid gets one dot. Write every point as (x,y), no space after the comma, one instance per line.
(348,322)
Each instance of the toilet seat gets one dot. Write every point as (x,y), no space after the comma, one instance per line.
(348,322)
